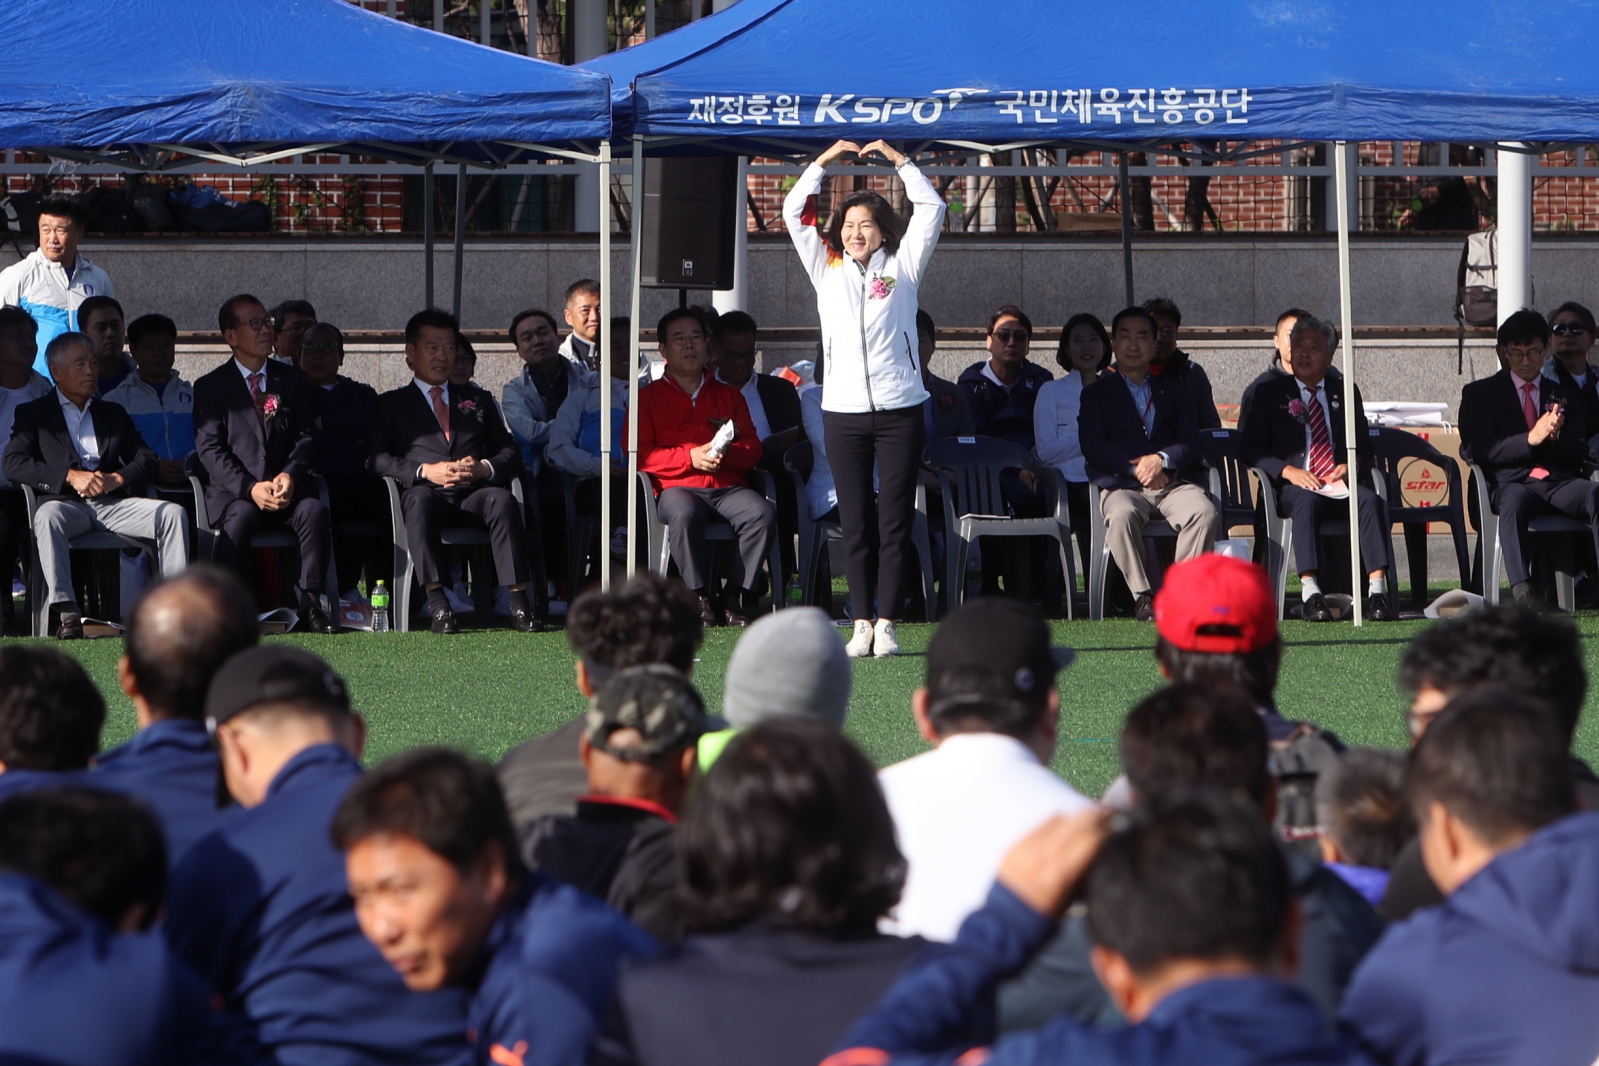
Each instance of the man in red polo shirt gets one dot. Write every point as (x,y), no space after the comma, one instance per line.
(678,416)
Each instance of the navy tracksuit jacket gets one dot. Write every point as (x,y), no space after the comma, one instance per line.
(1220,1022)
(172,766)
(261,909)
(1505,970)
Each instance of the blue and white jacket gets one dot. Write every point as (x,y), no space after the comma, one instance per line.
(165,419)
(44,290)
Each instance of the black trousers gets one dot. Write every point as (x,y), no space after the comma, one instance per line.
(686,512)
(359,497)
(13,527)
(877,529)
(550,493)
(1518,504)
(428,509)
(307,518)
(1309,510)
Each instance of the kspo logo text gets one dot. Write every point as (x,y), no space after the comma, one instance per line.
(869,109)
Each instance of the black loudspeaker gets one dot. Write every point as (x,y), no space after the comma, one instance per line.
(689,215)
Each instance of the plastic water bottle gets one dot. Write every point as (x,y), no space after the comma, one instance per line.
(380,609)
(794,594)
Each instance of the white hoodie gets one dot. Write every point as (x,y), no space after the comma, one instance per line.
(868,313)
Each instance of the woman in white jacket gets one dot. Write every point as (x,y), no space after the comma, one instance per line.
(1084,354)
(866,273)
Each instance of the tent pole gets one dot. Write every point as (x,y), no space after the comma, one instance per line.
(637,255)
(460,235)
(737,298)
(486,8)
(649,20)
(1514,218)
(603,340)
(1351,428)
(427,227)
(1126,185)
(438,16)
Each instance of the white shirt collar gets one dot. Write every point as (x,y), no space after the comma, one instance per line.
(248,373)
(988,372)
(61,398)
(427,391)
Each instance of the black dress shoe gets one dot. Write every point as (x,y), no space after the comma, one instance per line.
(71,627)
(317,620)
(709,615)
(733,618)
(1378,609)
(1144,610)
(523,620)
(1316,609)
(444,622)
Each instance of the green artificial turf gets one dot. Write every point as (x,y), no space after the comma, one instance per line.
(486,690)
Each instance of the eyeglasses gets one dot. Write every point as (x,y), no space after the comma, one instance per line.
(732,353)
(1005,336)
(257,324)
(1517,353)
(1568,329)
(317,349)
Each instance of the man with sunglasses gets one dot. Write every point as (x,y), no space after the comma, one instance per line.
(1572,327)
(252,423)
(1528,433)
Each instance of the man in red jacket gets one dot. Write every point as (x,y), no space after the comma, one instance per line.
(678,417)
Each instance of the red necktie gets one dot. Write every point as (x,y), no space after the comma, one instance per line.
(255,394)
(441,412)
(1322,460)
(1529,408)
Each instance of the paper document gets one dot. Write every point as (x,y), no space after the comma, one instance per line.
(724,437)
(281,620)
(1334,490)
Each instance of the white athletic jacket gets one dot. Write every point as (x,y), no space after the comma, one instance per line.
(42,289)
(868,312)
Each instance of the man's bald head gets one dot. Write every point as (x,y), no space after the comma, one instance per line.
(181,632)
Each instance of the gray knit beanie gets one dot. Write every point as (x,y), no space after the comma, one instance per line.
(791,663)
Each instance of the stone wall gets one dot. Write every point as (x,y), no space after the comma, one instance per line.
(366,283)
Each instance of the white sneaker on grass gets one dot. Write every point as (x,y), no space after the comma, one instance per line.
(884,642)
(860,645)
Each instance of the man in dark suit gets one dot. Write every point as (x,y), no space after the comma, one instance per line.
(86,460)
(1141,447)
(342,411)
(453,457)
(252,427)
(1295,433)
(1526,430)
(774,408)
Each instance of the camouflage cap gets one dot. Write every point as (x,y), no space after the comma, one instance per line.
(656,700)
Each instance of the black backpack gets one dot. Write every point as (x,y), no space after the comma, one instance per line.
(109,211)
(1297,762)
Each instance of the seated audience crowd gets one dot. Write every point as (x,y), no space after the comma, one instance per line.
(273,463)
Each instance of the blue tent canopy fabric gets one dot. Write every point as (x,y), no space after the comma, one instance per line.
(805,72)
(242,76)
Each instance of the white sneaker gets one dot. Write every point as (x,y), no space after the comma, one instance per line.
(860,645)
(884,642)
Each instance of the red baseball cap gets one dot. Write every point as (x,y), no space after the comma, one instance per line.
(1216,604)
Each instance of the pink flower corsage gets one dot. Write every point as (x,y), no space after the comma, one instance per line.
(879,288)
(945,402)
(469,407)
(1296,409)
(269,405)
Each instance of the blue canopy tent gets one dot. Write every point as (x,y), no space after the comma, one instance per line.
(154,85)
(1210,80)
(247,81)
